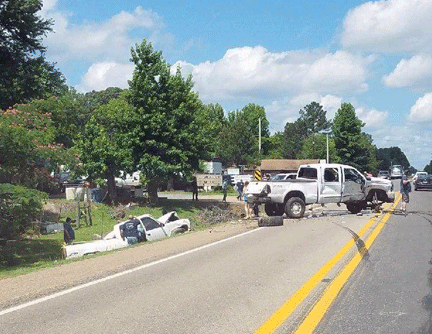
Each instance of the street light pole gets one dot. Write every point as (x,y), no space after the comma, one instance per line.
(327,149)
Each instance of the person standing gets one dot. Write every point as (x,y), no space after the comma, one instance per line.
(194,189)
(68,231)
(405,189)
(248,209)
(240,186)
(224,186)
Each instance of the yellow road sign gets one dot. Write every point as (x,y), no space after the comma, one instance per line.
(257,174)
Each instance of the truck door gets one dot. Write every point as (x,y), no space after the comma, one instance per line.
(153,229)
(331,187)
(353,185)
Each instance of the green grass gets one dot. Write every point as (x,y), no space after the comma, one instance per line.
(22,256)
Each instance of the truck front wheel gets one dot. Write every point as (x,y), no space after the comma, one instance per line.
(354,207)
(295,207)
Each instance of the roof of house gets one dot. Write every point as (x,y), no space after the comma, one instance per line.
(285,164)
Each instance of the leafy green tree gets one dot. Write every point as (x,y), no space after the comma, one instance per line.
(252,114)
(315,147)
(237,146)
(428,168)
(28,149)
(25,74)
(19,207)
(213,120)
(391,156)
(107,145)
(170,137)
(314,117)
(275,146)
(352,146)
(293,136)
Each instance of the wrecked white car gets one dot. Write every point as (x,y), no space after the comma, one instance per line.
(147,228)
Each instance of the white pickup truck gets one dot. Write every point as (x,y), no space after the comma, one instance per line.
(321,183)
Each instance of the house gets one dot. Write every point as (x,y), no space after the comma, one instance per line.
(275,166)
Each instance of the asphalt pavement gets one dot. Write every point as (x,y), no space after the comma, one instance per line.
(391,290)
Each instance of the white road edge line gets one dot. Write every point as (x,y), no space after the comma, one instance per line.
(101,280)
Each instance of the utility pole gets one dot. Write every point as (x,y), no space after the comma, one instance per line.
(259,135)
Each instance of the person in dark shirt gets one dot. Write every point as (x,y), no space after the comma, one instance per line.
(68,231)
(194,189)
(405,189)
(130,231)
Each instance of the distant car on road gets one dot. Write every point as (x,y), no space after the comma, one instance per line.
(396,172)
(384,174)
(423,182)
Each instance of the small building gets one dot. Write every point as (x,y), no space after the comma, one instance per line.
(275,166)
(213,167)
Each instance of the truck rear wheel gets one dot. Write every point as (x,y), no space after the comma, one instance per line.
(273,209)
(295,207)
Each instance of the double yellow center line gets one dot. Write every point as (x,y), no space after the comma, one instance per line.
(321,306)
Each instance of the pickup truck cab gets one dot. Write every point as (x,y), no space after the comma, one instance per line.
(321,183)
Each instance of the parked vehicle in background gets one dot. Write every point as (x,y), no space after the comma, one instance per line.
(396,172)
(321,183)
(423,182)
(284,176)
(384,174)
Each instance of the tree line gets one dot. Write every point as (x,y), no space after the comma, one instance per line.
(158,126)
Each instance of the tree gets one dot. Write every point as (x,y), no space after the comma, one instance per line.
(252,114)
(315,147)
(19,207)
(107,145)
(293,136)
(237,146)
(314,117)
(428,168)
(352,146)
(28,150)
(213,121)
(391,156)
(25,74)
(170,137)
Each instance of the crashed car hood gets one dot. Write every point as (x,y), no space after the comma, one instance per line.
(380,180)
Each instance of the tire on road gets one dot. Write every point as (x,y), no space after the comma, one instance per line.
(354,207)
(270,221)
(295,207)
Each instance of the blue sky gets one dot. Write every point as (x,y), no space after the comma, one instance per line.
(282,55)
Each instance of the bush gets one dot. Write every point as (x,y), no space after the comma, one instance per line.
(19,206)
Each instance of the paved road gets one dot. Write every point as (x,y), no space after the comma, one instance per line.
(391,291)
(229,287)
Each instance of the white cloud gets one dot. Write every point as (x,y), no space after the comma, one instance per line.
(389,26)
(413,139)
(106,74)
(415,72)
(421,111)
(371,117)
(111,39)
(256,72)
(281,111)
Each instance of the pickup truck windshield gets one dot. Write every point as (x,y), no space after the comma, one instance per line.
(352,175)
(308,173)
